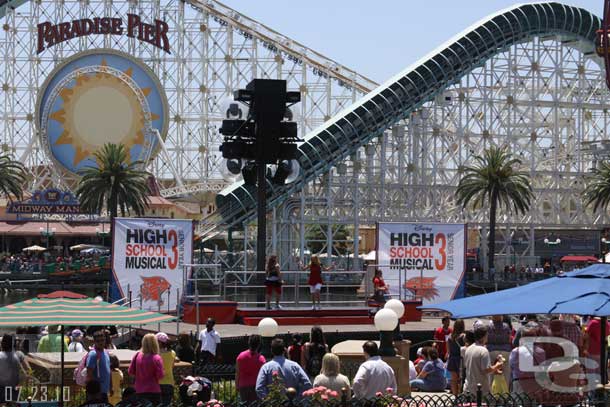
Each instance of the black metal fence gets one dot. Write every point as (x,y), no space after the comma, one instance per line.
(595,399)
(225,395)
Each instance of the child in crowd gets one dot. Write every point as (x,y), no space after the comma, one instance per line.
(423,359)
(116,379)
(294,350)
(468,340)
(169,359)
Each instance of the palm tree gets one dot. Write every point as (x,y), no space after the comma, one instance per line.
(114,183)
(494,179)
(13,177)
(597,190)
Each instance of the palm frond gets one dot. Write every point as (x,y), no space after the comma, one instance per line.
(114,183)
(494,174)
(13,177)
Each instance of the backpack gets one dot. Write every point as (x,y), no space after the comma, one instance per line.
(80,372)
(314,362)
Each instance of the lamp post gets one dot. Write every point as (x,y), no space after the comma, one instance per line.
(385,322)
(399,309)
(102,233)
(606,242)
(47,233)
(267,329)
(512,248)
(265,136)
(552,243)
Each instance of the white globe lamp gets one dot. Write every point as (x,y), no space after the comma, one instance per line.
(399,309)
(267,329)
(385,322)
(397,306)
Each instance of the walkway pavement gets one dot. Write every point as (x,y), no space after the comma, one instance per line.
(234,330)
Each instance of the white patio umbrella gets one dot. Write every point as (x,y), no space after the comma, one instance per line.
(34,248)
(370,256)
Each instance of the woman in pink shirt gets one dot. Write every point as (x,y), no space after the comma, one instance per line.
(147,367)
(249,362)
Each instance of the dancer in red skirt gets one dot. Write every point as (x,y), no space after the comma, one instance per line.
(315,280)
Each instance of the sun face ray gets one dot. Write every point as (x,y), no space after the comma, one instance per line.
(58,116)
(64,138)
(80,154)
(81,79)
(65,94)
(139,138)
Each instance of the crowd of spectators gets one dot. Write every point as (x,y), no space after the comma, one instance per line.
(492,355)
(555,358)
(35,262)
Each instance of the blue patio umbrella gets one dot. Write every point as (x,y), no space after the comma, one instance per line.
(582,292)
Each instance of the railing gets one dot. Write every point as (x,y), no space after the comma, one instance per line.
(248,288)
(507,276)
(598,398)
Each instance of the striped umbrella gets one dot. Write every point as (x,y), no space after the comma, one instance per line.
(66,308)
(71,311)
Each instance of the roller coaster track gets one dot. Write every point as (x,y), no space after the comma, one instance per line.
(394,100)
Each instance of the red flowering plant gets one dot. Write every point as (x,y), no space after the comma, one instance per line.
(389,398)
(211,403)
(321,395)
(276,390)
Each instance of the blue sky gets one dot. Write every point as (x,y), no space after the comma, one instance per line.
(375,38)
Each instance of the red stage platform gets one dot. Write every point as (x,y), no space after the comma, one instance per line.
(306,316)
(326,316)
(228,312)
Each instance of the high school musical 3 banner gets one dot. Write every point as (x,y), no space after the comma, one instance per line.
(422,260)
(148,257)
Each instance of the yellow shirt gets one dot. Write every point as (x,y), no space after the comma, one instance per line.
(168,367)
(117,379)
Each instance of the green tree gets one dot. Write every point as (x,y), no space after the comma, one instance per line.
(597,189)
(316,239)
(115,184)
(494,179)
(13,177)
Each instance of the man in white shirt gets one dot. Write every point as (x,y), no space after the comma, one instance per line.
(209,339)
(477,364)
(373,375)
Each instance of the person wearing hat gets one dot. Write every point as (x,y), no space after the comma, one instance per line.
(169,358)
(76,342)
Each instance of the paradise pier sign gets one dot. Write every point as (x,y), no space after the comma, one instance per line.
(52,34)
(50,201)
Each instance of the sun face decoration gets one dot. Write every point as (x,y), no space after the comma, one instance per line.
(97,99)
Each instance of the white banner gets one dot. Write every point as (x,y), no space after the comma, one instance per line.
(425,260)
(147,257)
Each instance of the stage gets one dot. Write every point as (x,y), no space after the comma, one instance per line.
(227,312)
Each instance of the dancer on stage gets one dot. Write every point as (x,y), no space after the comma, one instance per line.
(315,280)
(381,289)
(273,282)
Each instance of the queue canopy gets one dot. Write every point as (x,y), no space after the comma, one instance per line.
(583,292)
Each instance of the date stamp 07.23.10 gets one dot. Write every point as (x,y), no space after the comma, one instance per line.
(36,393)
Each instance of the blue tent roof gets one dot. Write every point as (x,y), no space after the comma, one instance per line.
(583,292)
